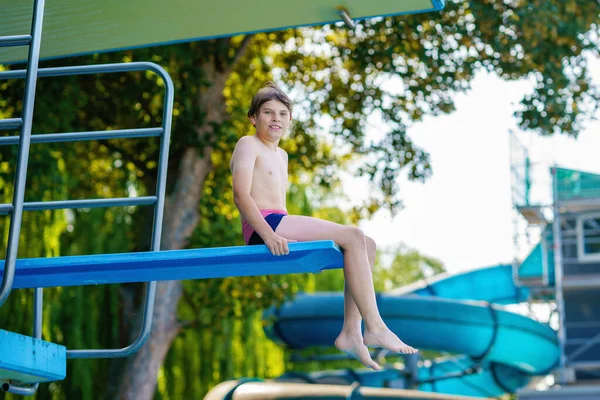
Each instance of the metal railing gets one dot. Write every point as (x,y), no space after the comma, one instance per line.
(24,126)
(32,40)
(164,132)
(16,208)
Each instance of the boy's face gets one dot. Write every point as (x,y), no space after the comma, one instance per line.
(272,120)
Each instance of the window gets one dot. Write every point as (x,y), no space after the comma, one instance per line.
(588,238)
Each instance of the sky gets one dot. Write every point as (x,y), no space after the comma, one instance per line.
(463,214)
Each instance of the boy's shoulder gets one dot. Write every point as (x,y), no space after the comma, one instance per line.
(248,141)
(282,152)
(246,138)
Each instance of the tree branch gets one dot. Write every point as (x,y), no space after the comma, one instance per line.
(240,52)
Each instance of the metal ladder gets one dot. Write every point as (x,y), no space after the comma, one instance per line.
(24,140)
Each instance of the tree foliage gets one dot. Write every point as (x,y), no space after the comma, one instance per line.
(401,266)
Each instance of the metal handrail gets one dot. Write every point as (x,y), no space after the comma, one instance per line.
(83,136)
(9,124)
(558,270)
(158,199)
(30,76)
(24,125)
(87,203)
(15,40)
(158,218)
(24,141)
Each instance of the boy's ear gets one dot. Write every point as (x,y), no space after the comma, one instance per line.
(252,119)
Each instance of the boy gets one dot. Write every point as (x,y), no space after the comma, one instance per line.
(259,168)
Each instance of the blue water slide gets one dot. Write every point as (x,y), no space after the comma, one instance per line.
(460,314)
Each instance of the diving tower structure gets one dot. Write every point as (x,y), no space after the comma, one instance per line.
(563,269)
(75,28)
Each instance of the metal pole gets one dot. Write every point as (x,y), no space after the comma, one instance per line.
(545,269)
(21,390)
(558,269)
(346,18)
(23,155)
(38,301)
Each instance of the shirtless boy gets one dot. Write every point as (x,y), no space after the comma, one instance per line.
(260,179)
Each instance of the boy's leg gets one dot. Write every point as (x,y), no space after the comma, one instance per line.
(357,274)
(352,317)
(351,335)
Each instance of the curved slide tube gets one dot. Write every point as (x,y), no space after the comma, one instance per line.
(508,348)
(254,390)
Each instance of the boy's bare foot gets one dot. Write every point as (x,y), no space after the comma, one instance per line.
(386,339)
(353,344)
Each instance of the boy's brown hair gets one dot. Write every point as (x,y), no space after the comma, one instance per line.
(269,92)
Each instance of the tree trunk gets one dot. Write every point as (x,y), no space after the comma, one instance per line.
(181,218)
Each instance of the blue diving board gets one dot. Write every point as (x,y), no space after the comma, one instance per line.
(217,262)
(27,360)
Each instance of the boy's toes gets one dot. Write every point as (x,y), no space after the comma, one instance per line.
(374,365)
(406,349)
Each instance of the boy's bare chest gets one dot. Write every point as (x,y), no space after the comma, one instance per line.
(270,168)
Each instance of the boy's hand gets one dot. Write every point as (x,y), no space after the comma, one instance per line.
(278,245)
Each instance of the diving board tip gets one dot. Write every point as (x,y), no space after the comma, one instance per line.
(27,360)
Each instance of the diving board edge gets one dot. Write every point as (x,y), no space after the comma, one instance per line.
(206,263)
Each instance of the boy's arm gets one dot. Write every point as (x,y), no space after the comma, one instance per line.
(242,170)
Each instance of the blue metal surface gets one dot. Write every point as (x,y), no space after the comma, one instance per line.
(509,347)
(533,265)
(216,262)
(29,360)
